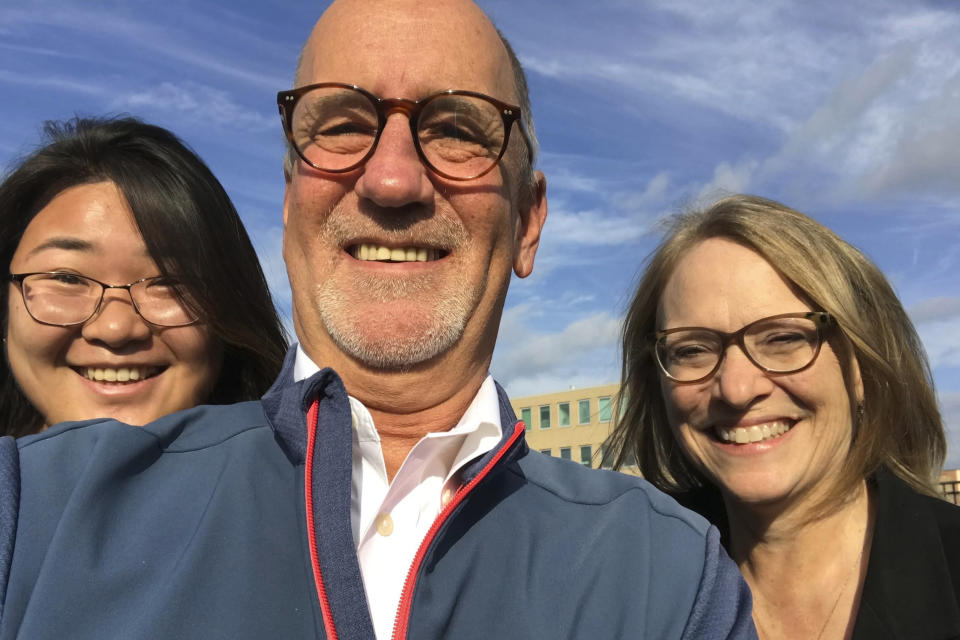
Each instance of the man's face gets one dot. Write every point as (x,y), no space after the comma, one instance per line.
(395,311)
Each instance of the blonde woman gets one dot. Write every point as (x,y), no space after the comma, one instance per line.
(777,386)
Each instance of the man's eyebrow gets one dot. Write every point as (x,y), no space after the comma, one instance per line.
(65,243)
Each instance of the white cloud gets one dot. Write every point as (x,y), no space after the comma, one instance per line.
(584,350)
(865,106)
(728,178)
(892,129)
(560,178)
(941,339)
(182,43)
(596,228)
(54,81)
(40,51)
(925,153)
(938,323)
(932,309)
(650,199)
(201,104)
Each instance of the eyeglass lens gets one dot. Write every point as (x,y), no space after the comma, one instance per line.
(779,345)
(68,299)
(461,136)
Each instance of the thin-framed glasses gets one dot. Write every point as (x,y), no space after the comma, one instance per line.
(459,135)
(64,299)
(785,343)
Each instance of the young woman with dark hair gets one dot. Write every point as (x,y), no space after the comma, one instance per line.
(113,204)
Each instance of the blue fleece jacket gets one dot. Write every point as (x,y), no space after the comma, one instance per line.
(234,522)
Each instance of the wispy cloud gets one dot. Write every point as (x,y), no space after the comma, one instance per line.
(198,103)
(586,345)
(54,81)
(941,340)
(728,178)
(39,51)
(159,39)
(934,309)
(892,130)
(596,228)
(865,107)
(938,323)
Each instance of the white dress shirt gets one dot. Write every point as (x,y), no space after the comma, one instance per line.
(390,519)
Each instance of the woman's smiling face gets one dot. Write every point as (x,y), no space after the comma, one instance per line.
(722,285)
(89,230)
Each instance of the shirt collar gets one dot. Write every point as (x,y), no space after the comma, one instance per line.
(480,423)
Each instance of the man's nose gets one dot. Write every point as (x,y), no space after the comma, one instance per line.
(116,322)
(739,382)
(394,176)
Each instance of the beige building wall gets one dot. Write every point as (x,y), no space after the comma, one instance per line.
(570,424)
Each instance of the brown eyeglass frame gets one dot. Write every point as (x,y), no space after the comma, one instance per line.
(821,319)
(287,101)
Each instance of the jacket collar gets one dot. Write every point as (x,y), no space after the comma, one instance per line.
(286,404)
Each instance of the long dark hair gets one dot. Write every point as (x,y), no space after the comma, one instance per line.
(188,224)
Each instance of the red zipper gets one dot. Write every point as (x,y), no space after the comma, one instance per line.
(401,622)
(328,625)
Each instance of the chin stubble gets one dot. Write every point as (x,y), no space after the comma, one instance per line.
(446,303)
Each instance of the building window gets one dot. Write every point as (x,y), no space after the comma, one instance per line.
(606,457)
(603,405)
(545,451)
(527,418)
(565,453)
(563,414)
(586,454)
(545,416)
(584,412)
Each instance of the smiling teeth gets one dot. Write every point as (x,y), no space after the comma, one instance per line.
(123,374)
(405,254)
(755,433)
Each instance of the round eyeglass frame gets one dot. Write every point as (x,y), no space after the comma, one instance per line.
(18,278)
(287,101)
(821,319)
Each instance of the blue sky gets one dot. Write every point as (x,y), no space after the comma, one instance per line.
(847,111)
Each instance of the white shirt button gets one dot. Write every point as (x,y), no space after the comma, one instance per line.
(384,524)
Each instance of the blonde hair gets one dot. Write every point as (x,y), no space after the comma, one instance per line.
(897,425)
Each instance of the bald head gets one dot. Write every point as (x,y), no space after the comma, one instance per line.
(382,45)
(448,31)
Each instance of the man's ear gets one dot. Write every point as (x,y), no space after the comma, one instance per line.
(286,202)
(533,213)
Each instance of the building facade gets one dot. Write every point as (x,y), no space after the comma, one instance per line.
(571,424)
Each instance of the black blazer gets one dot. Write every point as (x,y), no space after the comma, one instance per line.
(912,587)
